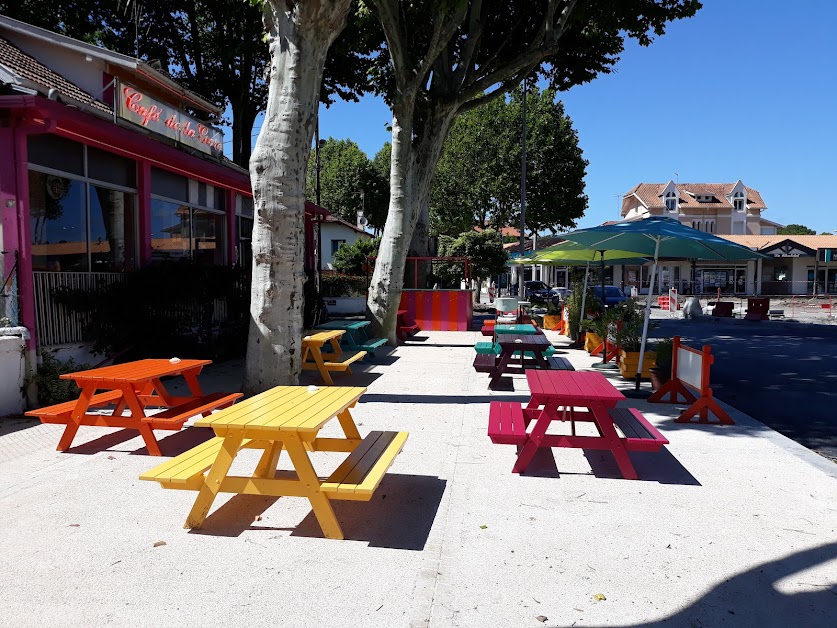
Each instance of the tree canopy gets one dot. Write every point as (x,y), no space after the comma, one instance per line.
(477,179)
(349,182)
(795,229)
(486,257)
(446,58)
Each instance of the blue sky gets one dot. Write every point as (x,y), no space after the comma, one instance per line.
(744,90)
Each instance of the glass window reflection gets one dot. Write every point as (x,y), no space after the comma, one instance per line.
(57,220)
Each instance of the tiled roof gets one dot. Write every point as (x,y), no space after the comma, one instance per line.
(543,242)
(759,242)
(339,221)
(650,195)
(32,70)
(506,231)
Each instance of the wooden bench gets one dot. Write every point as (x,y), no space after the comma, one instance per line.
(405,327)
(640,435)
(174,418)
(369,345)
(557,363)
(186,470)
(485,362)
(362,472)
(506,425)
(487,348)
(60,412)
(355,479)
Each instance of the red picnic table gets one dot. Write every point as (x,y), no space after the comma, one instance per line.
(574,396)
(135,386)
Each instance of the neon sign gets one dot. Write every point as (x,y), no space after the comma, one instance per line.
(152,114)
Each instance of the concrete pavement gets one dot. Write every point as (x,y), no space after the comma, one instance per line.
(728,526)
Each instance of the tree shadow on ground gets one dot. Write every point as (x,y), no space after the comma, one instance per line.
(399,515)
(439,399)
(11,424)
(178,442)
(752,598)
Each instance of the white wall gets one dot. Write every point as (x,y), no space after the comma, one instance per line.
(12,373)
(335,231)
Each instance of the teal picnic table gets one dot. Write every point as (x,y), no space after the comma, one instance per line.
(355,337)
(516,329)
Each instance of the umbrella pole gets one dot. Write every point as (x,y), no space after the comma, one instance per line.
(584,296)
(647,314)
(604,340)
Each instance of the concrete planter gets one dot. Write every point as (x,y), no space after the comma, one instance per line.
(12,374)
(345,306)
(591,341)
(629,361)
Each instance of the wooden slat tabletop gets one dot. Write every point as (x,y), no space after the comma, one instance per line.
(527,341)
(573,386)
(134,372)
(345,325)
(284,408)
(321,337)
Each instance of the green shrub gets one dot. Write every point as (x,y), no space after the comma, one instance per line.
(51,389)
(339,285)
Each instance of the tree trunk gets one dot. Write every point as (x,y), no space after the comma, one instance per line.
(243,119)
(299,37)
(413,163)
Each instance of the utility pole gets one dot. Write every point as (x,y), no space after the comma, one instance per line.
(521,292)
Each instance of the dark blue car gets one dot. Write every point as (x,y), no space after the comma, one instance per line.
(613,295)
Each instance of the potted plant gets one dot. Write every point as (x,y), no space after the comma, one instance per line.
(573,304)
(552,318)
(661,371)
(629,337)
(601,327)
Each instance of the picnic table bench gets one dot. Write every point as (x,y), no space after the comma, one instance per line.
(561,395)
(355,337)
(405,326)
(289,418)
(134,386)
(335,359)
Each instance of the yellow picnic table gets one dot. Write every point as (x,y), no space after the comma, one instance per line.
(335,359)
(290,418)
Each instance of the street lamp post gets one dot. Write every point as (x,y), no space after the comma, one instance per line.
(520,282)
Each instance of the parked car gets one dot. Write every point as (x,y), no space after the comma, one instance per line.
(613,295)
(537,291)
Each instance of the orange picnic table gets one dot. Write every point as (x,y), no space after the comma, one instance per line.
(134,386)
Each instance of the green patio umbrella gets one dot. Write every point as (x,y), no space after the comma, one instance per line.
(573,254)
(658,237)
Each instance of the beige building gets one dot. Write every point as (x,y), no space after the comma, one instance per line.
(719,208)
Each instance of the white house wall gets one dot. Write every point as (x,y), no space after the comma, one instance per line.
(336,231)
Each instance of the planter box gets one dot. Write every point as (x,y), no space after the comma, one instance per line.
(592,341)
(12,373)
(629,361)
(345,306)
(552,320)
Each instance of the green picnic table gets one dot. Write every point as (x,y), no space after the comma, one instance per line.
(355,337)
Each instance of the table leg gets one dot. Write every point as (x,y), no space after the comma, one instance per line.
(617,447)
(129,395)
(533,440)
(87,392)
(213,479)
(540,360)
(270,458)
(505,356)
(191,377)
(308,477)
(321,367)
(348,424)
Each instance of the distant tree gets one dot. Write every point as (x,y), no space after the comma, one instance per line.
(344,171)
(353,259)
(794,229)
(377,196)
(486,257)
(477,179)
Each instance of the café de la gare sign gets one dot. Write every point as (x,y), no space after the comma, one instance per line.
(148,112)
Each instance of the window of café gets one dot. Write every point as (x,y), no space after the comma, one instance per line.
(82,207)
(187,219)
(244,230)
